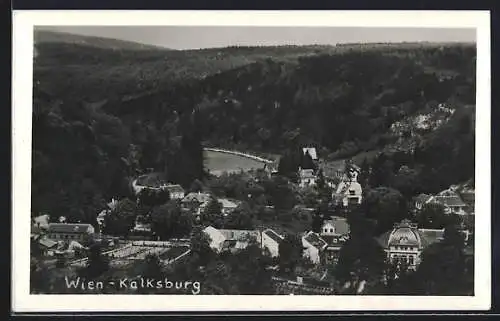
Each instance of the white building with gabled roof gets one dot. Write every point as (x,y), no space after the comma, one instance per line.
(311,151)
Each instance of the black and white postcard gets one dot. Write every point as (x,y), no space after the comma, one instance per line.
(282,160)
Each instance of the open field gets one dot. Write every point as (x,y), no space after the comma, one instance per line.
(219,162)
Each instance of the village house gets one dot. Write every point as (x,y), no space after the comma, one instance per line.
(452,204)
(335,232)
(271,241)
(271,168)
(216,238)
(468,197)
(141,226)
(325,246)
(405,242)
(311,151)
(228,206)
(175,191)
(349,191)
(47,246)
(457,200)
(235,240)
(101,217)
(68,249)
(313,245)
(420,200)
(307,177)
(41,221)
(69,231)
(196,202)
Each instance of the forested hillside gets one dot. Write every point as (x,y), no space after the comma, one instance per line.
(416,105)
(103,115)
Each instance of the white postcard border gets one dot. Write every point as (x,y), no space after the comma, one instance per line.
(23,22)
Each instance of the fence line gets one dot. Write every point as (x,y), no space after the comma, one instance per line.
(302,285)
(180,256)
(257,158)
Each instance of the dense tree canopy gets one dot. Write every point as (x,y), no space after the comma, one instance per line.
(290,253)
(385,205)
(169,220)
(121,219)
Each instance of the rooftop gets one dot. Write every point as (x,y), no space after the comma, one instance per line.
(414,236)
(42,220)
(468,197)
(334,240)
(214,233)
(405,236)
(354,167)
(340,225)
(306,173)
(430,236)
(154,180)
(174,188)
(312,152)
(48,243)
(239,234)
(422,198)
(315,240)
(228,244)
(69,228)
(273,235)
(448,200)
(197,197)
(227,203)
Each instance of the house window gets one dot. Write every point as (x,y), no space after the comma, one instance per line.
(353,200)
(411,260)
(331,230)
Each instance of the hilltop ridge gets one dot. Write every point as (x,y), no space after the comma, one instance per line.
(47,36)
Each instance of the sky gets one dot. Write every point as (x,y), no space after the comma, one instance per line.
(195,37)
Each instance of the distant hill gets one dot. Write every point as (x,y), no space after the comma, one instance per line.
(45,36)
(80,68)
